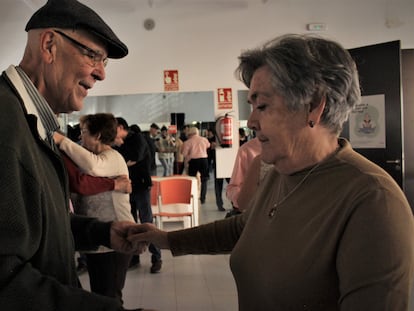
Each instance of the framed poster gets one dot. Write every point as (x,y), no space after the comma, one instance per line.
(367,123)
(224,98)
(171,80)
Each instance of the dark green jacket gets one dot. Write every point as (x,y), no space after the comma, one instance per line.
(37,269)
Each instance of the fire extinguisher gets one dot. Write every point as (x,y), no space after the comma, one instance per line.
(224,130)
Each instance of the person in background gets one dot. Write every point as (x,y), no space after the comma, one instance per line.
(152,148)
(83,184)
(67,47)
(154,136)
(195,158)
(107,268)
(211,151)
(255,174)
(242,137)
(327,229)
(154,131)
(178,166)
(244,159)
(218,182)
(184,132)
(165,146)
(134,148)
(73,132)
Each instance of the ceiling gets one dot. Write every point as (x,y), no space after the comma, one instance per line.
(192,6)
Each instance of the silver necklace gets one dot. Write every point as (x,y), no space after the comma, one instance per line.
(273,210)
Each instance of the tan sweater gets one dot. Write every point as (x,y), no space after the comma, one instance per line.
(343,240)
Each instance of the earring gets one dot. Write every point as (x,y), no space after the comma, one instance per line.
(311,124)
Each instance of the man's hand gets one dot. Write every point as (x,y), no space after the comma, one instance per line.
(148,233)
(122,184)
(119,241)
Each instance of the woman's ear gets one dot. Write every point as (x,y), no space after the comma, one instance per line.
(318,98)
(316,108)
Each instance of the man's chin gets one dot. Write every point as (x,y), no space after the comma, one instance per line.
(76,107)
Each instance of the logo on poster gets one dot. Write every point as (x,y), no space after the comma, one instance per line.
(224,98)
(170,80)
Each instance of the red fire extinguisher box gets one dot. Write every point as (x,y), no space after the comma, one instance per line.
(224,130)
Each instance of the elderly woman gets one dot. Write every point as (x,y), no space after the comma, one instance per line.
(327,229)
(107,269)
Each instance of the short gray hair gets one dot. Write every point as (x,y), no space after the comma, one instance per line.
(305,69)
(193,131)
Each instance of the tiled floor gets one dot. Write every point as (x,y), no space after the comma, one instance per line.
(185,283)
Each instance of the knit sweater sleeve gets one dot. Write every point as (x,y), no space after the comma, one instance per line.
(84,184)
(90,163)
(218,237)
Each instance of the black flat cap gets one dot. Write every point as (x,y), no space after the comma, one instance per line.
(72,14)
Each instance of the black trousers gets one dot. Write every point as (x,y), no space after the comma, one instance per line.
(140,200)
(107,273)
(200,165)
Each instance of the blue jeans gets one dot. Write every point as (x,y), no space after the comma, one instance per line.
(167,166)
(141,203)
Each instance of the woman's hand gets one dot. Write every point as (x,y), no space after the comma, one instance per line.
(58,137)
(147,233)
(123,184)
(120,238)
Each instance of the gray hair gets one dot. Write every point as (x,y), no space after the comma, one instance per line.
(193,131)
(306,69)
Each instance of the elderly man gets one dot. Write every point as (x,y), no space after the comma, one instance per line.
(67,49)
(195,158)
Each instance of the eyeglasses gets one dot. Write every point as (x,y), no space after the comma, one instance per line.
(94,56)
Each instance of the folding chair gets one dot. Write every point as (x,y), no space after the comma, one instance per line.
(175,200)
(155,190)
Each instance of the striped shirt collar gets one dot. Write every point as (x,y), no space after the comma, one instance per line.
(45,113)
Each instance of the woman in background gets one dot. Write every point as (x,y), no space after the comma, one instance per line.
(107,268)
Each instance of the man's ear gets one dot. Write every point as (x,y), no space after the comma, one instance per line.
(48,46)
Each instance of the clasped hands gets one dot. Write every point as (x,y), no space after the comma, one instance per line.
(131,238)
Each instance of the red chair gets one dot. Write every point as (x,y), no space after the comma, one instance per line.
(175,200)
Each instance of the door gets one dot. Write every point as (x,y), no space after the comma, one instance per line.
(379,68)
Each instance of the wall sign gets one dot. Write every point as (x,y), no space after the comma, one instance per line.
(172,129)
(224,98)
(367,123)
(171,80)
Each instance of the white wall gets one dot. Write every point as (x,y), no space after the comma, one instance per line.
(204,47)
(203,41)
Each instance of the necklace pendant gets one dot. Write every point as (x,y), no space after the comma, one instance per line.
(272,212)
